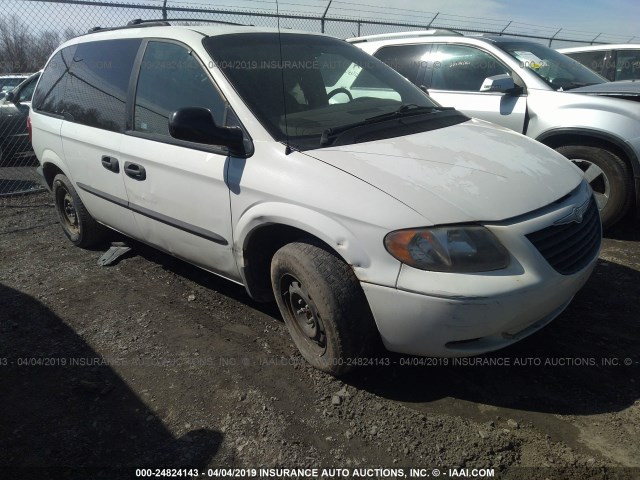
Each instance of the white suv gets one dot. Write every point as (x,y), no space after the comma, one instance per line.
(383,217)
(531,89)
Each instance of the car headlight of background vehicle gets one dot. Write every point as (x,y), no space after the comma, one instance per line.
(455,249)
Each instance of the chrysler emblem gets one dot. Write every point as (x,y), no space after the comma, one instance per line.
(576,215)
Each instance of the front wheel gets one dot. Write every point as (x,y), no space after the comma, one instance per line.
(609,177)
(77,224)
(323,306)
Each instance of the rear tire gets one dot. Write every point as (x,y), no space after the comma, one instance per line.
(323,306)
(77,224)
(609,177)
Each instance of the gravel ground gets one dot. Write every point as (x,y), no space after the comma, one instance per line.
(153,363)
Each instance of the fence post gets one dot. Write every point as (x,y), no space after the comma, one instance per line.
(324,16)
(359,24)
(432,20)
(554,36)
(164,10)
(502,31)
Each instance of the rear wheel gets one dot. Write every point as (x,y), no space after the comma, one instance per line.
(609,177)
(77,224)
(323,306)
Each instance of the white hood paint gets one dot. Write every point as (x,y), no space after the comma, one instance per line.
(474,171)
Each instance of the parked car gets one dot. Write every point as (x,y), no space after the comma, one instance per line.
(9,82)
(14,110)
(614,62)
(529,88)
(376,218)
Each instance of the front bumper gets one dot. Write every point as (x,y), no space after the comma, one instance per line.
(419,324)
(446,314)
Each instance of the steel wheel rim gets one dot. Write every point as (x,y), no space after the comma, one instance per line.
(68,212)
(305,319)
(597,179)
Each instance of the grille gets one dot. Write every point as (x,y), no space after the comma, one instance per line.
(570,247)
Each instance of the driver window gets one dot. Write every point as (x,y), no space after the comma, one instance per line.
(462,68)
(171,78)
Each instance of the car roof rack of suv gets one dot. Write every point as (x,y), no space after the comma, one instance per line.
(416,33)
(137,23)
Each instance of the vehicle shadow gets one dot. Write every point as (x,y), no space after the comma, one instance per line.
(67,414)
(574,366)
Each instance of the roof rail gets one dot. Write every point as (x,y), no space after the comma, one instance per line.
(137,23)
(416,33)
(160,22)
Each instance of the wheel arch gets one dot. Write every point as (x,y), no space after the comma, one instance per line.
(586,137)
(259,235)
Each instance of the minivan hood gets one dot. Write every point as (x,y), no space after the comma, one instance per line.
(474,171)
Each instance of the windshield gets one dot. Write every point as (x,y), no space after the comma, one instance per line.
(312,82)
(558,70)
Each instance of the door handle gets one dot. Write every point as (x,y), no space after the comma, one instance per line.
(135,171)
(110,163)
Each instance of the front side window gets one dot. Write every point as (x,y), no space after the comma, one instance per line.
(462,68)
(97,83)
(289,83)
(171,78)
(557,70)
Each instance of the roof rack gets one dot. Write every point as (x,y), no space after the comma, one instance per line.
(137,23)
(416,33)
(160,22)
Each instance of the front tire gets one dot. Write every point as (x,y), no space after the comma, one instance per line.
(77,224)
(323,306)
(609,177)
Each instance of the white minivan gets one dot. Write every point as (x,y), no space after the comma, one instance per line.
(382,217)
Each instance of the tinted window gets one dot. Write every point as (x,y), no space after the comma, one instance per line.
(461,68)
(596,61)
(628,65)
(26,92)
(96,87)
(405,59)
(281,79)
(49,97)
(170,79)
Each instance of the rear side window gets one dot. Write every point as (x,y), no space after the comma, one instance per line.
(405,59)
(171,78)
(49,97)
(599,61)
(628,65)
(97,83)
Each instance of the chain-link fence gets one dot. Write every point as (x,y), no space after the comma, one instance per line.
(31,29)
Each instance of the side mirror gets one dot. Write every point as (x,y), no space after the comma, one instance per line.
(10,96)
(196,124)
(502,83)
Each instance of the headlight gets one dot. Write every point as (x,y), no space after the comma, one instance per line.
(462,249)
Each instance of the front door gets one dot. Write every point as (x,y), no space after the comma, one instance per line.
(456,74)
(177,189)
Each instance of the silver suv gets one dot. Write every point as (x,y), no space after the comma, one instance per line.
(528,88)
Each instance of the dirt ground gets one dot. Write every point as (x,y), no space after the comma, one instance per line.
(153,363)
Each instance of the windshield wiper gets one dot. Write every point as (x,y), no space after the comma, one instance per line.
(404,110)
